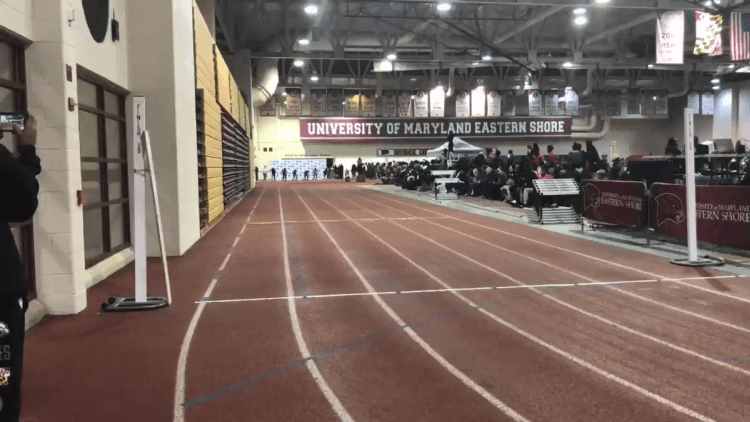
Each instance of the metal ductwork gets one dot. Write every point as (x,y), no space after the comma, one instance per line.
(593,136)
(589,83)
(266,81)
(685,88)
(593,120)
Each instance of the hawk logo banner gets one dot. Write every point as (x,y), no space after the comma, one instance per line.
(722,213)
(615,202)
(4,330)
(708,34)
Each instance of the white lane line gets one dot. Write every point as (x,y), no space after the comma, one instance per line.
(341,221)
(411,333)
(303,349)
(179,388)
(650,274)
(459,289)
(577,309)
(613,288)
(563,353)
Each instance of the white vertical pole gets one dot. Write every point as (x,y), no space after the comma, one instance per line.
(139,198)
(692,227)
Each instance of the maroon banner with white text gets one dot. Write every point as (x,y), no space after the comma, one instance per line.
(338,129)
(723,213)
(615,202)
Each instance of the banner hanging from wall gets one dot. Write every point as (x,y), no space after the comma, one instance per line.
(535,103)
(389,104)
(422,104)
(600,104)
(634,103)
(293,102)
(708,34)
(351,106)
(405,104)
(647,103)
(571,102)
(478,98)
(463,104)
(494,103)
(437,102)
(614,103)
(509,104)
(269,108)
(550,103)
(707,104)
(367,103)
(615,202)
(661,105)
(338,129)
(670,37)
(318,102)
(722,213)
(396,152)
(335,102)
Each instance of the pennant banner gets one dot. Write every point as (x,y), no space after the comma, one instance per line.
(478,97)
(571,102)
(318,102)
(367,103)
(670,37)
(437,102)
(404,104)
(662,106)
(614,103)
(352,104)
(494,104)
(707,104)
(509,104)
(335,102)
(293,102)
(463,104)
(535,103)
(421,104)
(550,103)
(389,104)
(708,34)
(634,104)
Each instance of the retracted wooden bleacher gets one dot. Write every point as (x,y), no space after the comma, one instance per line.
(442,177)
(559,215)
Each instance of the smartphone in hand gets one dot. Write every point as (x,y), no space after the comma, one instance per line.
(7,120)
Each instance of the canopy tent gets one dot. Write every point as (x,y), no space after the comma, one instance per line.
(461,148)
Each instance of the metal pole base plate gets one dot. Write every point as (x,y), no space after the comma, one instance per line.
(702,261)
(125,304)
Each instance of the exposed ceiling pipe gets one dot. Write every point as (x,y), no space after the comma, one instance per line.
(587,128)
(451,82)
(593,136)
(522,81)
(527,24)
(266,82)
(685,88)
(589,83)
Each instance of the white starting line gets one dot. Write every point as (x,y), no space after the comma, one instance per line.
(463,289)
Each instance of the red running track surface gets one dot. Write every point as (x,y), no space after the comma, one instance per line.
(459,332)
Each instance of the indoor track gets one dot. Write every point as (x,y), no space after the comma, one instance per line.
(322,301)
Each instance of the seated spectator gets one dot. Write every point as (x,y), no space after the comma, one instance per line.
(672,148)
(551,156)
(592,156)
(537,159)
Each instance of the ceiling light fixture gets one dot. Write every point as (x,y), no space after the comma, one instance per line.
(314,78)
(311,9)
(444,7)
(283,93)
(299,62)
(486,57)
(480,87)
(569,88)
(567,64)
(413,79)
(717,87)
(581,20)
(304,41)
(579,11)
(650,66)
(602,1)
(391,56)
(715,80)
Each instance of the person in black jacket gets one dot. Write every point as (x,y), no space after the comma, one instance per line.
(18,190)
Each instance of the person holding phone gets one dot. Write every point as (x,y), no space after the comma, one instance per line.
(18,203)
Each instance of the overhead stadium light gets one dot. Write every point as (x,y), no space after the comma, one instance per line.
(299,62)
(579,11)
(650,66)
(443,7)
(602,1)
(311,9)
(391,56)
(716,87)
(581,20)
(314,78)
(304,41)
(567,64)
(486,57)
(715,80)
